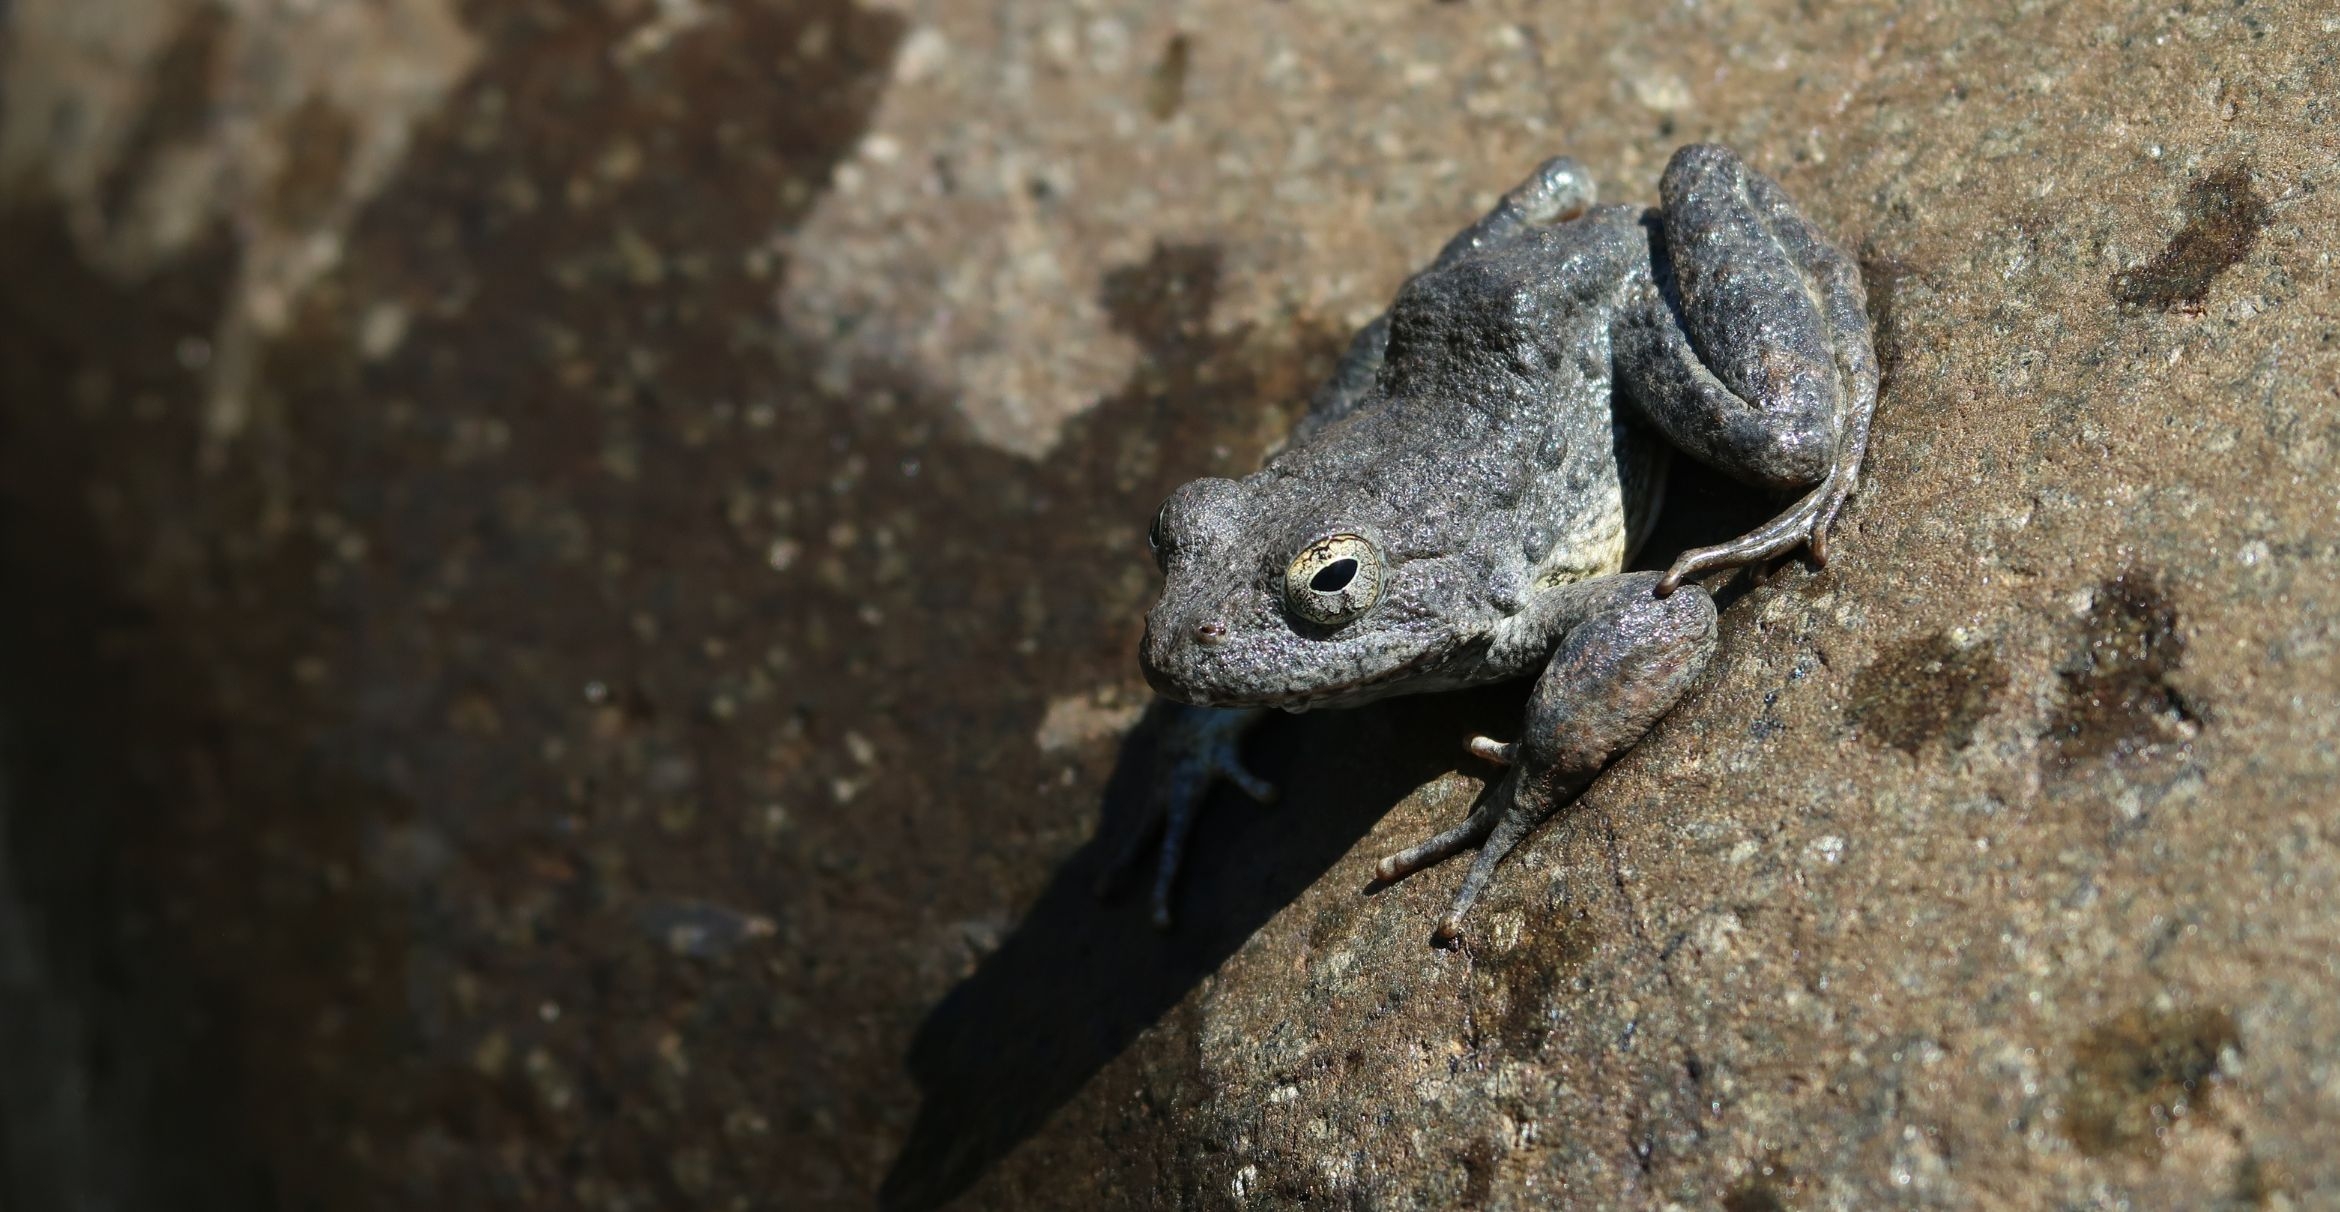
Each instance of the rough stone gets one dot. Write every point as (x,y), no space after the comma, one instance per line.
(574,570)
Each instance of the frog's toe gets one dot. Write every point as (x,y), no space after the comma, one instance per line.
(1487,748)
(1230,768)
(1502,837)
(1805,525)
(1559,190)
(1430,853)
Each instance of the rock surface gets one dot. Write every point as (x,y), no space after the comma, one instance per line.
(574,570)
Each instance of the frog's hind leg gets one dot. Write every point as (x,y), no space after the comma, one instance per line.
(1749,347)
(1624,658)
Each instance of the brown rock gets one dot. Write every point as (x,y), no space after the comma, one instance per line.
(540,558)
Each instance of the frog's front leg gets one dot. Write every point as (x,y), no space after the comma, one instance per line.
(1196,746)
(1622,658)
(1749,347)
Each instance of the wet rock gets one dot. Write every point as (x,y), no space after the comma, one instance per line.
(2224,213)
(1924,689)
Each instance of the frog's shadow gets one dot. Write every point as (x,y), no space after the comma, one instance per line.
(1081,977)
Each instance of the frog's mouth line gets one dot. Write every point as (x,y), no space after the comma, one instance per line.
(1302,702)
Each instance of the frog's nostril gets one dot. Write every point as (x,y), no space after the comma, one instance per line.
(1210,633)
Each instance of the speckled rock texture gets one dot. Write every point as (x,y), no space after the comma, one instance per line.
(574,568)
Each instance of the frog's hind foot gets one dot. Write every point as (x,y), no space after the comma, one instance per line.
(1474,829)
(1805,524)
(1496,825)
(1624,658)
(1435,850)
(1198,747)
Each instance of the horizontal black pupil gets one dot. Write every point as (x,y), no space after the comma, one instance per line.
(1334,577)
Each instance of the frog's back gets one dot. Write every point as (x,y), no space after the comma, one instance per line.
(1535,307)
(1493,403)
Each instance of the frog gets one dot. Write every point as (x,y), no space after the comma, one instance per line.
(1460,500)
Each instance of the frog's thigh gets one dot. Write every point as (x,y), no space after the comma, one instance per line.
(1781,443)
(1751,349)
(1559,189)
(1612,677)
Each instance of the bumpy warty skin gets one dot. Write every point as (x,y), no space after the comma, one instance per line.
(1468,486)
(1485,457)
(1474,436)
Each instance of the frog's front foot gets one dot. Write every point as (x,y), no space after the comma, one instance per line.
(1626,657)
(1505,813)
(1198,746)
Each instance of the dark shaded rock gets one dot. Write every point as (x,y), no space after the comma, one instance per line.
(2135,1077)
(2118,695)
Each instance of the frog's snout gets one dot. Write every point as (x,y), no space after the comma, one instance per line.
(1156,654)
(1173,648)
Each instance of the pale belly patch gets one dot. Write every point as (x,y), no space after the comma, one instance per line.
(1618,515)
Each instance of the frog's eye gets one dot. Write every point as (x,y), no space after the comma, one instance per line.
(1156,541)
(1198,515)
(1333,579)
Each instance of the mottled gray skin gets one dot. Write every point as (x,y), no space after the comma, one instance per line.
(1482,464)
